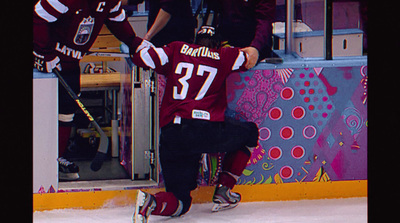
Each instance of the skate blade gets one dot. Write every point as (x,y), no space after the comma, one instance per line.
(140,198)
(221,207)
(68,176)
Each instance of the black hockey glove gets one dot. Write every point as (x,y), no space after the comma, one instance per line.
(46,63)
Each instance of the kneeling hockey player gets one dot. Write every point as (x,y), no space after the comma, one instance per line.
(192,122)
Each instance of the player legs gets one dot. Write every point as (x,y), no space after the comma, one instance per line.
(232,167)
(181,146)
(236,161)
(66,108)
(180,171)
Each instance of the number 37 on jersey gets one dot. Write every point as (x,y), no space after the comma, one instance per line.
(186,69)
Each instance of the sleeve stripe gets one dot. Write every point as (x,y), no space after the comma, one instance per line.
(239,61)
(42,13)
(120,17)
(146,58)
(61,8)
(116,8)
(162,55)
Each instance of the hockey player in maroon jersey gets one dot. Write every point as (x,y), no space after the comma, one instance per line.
(63,31)
(192,122)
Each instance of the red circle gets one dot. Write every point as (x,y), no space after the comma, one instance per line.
(275,113)
(302,91)
(298,112)
(306,83)
(287,93)
(286,172)
(311,91)
(286,132)
(311,107)
(324,114)
(275,152)
(298,152)
(306,99)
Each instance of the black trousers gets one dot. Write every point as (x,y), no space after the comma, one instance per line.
(181,147)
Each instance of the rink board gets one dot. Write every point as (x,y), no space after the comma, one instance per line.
(253,193)
(313,124)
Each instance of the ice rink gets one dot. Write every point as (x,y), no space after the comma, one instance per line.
(352,210)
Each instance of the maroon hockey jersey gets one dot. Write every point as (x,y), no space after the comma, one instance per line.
(196,78)
(68,28)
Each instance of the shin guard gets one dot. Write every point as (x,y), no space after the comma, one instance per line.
(167,205)
(63,137)
(233,166)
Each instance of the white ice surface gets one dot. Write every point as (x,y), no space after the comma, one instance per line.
(352,210)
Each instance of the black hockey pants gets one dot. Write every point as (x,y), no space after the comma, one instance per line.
(181,147)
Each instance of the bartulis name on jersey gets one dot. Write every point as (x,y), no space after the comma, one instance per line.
(199,52)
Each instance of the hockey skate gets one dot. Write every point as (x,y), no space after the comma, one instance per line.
(67,170)
(224,198)
(145,204)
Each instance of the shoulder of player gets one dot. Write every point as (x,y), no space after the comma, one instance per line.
(231,51)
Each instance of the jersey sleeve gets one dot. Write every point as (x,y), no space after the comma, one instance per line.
(44,13)
(154,58)
(264,14)
(235,58)
(118,24)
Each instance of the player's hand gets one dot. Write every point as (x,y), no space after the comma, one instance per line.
(252,56)
(46,63)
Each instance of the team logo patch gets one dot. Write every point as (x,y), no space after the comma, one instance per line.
(199,114)
(84,32)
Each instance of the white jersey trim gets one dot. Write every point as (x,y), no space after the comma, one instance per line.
(144,54)
(42,13)
(239,61)
(120,17)
(162,55)
(61,8)
(116,8)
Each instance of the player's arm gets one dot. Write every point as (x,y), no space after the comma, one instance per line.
(161,21)
(46,12)
(239,60)
(152,57)
(118,24)
(264,14)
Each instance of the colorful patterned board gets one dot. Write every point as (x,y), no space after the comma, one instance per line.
(312,123)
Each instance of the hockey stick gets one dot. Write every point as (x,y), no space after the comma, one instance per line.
(101,154)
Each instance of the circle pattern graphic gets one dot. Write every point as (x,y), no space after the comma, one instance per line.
(309,132)
(286,132)
(287,93)
(264,133)
(275,153)
(275,113)
(286,172)
(298,112)
(298,152)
